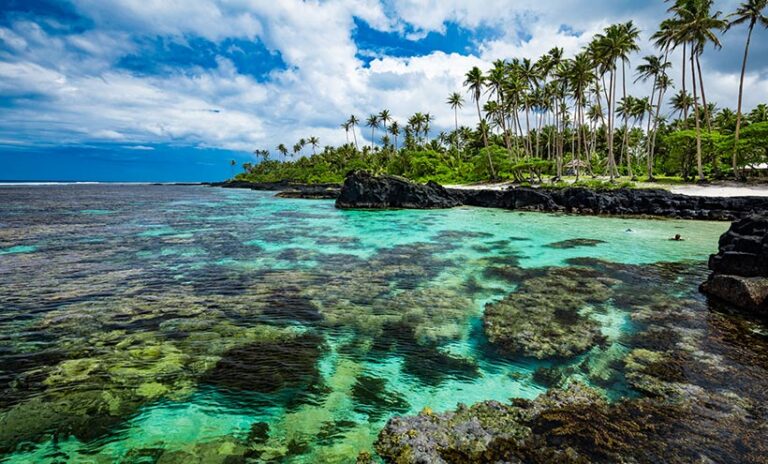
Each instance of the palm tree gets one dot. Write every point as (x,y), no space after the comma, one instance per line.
(695,25)
(608,49)
(232,164)
(456,101)
(283,150)
(653,67)
(681,103)
(384,118)
(353,121)
(475,81)
(629,36)
(314,141)
(373,123)
(346,125)
(750,11)
(394,129)
(759,114)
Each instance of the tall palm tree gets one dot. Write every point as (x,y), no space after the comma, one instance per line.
(346,125)
(609,48)
(696,26)
(314,142)
(681,103)
(456,101)
(655,67)
(384,118)
(373,123)
(751,11)
(353,121)
(629,37)
(475,81)
(394,129)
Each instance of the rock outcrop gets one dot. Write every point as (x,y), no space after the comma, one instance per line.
(362,190)
(286,189)
(740,269)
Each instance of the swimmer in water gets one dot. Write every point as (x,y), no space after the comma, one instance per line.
(677,238)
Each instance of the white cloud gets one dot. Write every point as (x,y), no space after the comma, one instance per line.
(69,89)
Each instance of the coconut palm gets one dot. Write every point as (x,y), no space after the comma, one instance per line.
(373,123)
(750,12)
(475,81)
(681,103)
(314,142)
(353,121)
(759,114)
(629,37)
(696,26)
(283,150)
(394,129)
(655,67)
(346,125)
(456,101)
(384,118)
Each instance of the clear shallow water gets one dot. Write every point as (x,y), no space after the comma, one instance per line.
(140,323)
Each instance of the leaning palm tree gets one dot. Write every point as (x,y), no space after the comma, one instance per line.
(456,101)
(750,12)
(475,81)
(373,123)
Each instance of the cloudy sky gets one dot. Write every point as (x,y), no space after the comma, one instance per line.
(174,89)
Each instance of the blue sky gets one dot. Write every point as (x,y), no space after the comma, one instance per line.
(154,90)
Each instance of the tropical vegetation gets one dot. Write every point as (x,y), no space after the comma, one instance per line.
(555,116)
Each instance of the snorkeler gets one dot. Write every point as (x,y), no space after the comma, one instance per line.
(677,238)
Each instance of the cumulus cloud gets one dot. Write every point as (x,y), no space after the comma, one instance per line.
(68,86)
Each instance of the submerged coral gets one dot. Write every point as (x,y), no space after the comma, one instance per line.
(549,315)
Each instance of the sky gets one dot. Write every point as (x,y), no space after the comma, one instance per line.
(172,90)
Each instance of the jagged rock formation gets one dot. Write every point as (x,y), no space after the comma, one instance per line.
(363,190)
(740,269)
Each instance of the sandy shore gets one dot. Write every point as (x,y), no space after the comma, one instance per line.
(724,189)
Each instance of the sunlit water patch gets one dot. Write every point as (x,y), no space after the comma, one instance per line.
(197,323)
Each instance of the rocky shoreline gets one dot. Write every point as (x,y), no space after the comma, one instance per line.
(363,190)
(286,189)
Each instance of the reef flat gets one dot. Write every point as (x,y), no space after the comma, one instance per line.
(196,324)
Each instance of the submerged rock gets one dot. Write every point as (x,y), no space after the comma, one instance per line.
(575,243)
(740,268)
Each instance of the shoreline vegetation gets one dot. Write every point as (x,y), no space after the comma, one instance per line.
(559,119)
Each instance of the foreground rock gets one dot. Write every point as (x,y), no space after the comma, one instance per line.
(740,269)
(362,190)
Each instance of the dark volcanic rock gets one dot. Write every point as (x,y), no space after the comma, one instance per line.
(289,189)
(363,190)
(740,269)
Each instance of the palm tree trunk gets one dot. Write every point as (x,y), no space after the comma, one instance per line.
(648,159)
(480,119)
(611,93)
(734,159)
(625,138)
(354,134)
(699,166)
(707,116)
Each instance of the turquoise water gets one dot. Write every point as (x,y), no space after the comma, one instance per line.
(175,323)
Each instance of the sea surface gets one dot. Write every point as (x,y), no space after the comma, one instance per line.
(145,323)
